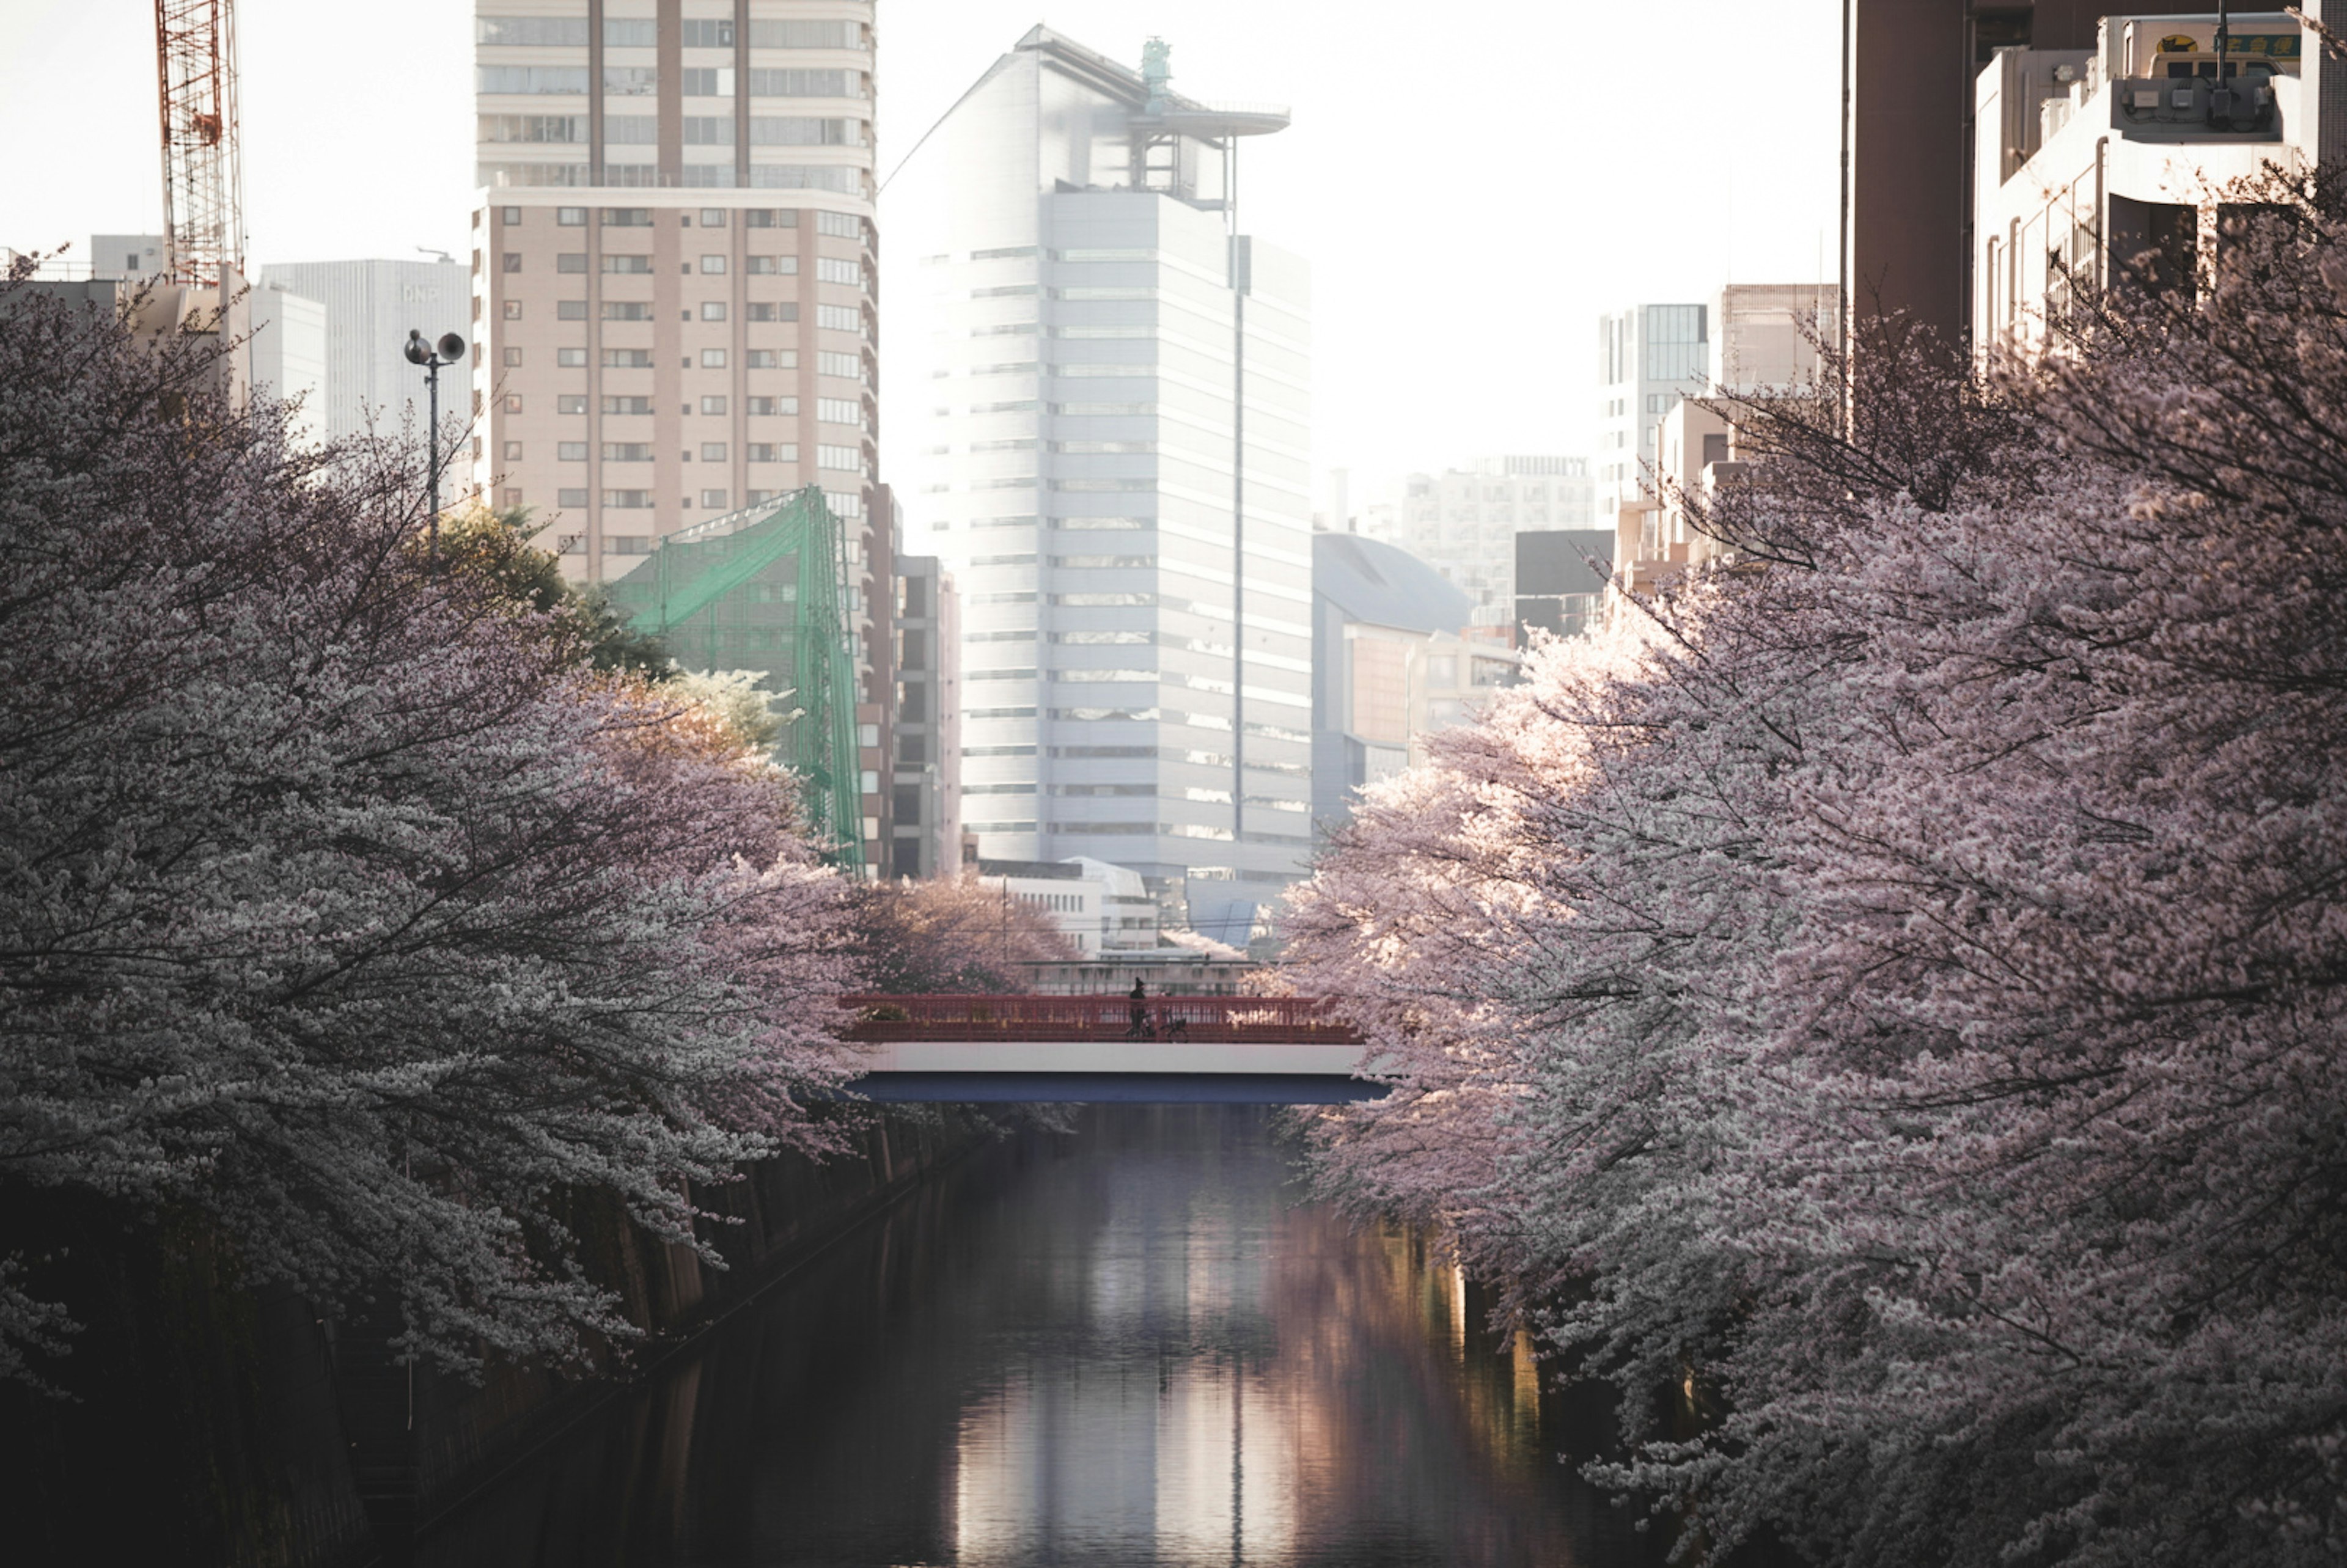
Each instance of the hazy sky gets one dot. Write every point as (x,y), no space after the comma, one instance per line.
(1472,182)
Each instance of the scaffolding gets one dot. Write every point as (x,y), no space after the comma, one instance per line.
(766,590)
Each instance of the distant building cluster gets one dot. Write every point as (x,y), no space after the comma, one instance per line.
(1077,620)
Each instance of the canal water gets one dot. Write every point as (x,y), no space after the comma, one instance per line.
(1137,1342)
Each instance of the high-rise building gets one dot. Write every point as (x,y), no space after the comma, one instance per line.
(674,265)
(1649,357)
(1108,396)
(370,309)
(1464,522)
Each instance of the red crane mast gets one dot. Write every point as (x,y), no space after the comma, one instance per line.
(203,194)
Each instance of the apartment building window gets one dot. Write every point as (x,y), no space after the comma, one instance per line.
(708,34)
(714,500)
(712,405)
(771,266)
(627,405)
(542,32)
(850,459)
(772,452)
(513,403)
(771,218)
(849,367)
(836,270)
(712,264)
(773,310)
(569,358)
(512,310)
(627,309)
(513,356)
(570,310)
(839,318)
(630,81)
(627,217)
(513,451)
(841,225)
(764,359)
(785,405)
(638,266)
(781,34)
(570,452)
(713,359)
(571,497)
(628,359)
(839,411)
(713,451)
(533,78)
(1674,348)
(570,402)
(704,83)
(708,130)
(630,33)
(713,310)
(800,84)
(512,260)
(570,217)
(805,130)
(627,452)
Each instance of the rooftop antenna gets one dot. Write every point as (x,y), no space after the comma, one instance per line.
(2220,95)
(1156,70)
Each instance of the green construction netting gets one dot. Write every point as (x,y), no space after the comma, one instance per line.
(766,590)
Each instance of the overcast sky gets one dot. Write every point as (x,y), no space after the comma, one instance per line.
(1472,182)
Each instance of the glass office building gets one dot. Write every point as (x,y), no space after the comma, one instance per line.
(1104,385)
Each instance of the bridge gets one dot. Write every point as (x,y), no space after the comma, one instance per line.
(1264,1050)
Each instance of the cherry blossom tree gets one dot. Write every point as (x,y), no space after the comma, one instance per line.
(345,904)
(1889,985)
(950,934)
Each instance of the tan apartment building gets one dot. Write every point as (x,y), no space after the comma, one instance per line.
(673,265)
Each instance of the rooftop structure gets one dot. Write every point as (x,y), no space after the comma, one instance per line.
(2115,160)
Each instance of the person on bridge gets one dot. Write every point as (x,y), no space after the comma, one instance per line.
(1140,1029)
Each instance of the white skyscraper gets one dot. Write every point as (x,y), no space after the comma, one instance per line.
(1105,387)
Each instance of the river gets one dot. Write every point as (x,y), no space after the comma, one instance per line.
(1137,1342)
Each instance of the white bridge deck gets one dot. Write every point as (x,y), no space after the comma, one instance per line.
(1270,1050)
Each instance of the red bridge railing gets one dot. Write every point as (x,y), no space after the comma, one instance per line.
(1270,1020)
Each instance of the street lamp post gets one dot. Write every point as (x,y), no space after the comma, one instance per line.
(431,356)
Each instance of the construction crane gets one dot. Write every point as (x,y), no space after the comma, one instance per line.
(203,194)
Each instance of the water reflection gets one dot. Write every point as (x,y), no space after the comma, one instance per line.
(1130,1345)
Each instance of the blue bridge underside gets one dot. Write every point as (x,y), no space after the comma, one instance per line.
(1116,1088)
